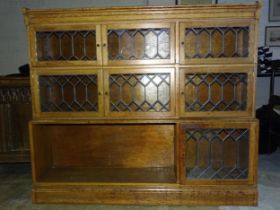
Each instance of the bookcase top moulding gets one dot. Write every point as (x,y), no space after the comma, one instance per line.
(220,11)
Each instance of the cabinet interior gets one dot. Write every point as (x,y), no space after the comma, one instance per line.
(104,153)
(215,92)
(66,45)
(68,93)
(216,42)
(139,44)
(216,153)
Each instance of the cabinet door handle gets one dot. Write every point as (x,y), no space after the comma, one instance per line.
(182,93)
(182,43)
(104,44)
(99,93)
(106,93)
(97,45)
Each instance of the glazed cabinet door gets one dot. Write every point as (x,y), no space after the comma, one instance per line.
(216,91)
(138,43)
(67,93)
(65,45)
(137,92)
(217,42)
(218,152)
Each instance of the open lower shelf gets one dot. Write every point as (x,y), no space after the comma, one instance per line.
(120,153)
(119,175)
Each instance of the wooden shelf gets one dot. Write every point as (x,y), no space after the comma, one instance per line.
(110,175)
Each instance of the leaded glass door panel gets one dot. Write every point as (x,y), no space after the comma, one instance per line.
(139,92)
(128,43)
(213,152)
(66,45)
(218,91)
(64,93)
(216,42)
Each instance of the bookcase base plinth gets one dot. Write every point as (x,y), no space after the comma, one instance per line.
(144,195)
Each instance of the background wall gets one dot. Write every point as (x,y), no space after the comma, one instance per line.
(13,40)
(263,83)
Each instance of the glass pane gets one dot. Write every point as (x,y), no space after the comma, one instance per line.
(66,45)
(216,153)
(215,92)
(216,42)
(140,92)
(139,44)
(68,93)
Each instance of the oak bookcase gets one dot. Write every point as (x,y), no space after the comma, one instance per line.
(144,105)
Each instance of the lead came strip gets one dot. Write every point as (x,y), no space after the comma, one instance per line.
(220,153)
(139,44)
(66,45)
(216,42)
(68,93)
(215,92)
(140,92)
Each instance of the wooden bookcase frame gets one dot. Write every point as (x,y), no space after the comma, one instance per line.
(49,133)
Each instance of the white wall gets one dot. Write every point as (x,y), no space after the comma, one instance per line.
(263,83)
(13,44)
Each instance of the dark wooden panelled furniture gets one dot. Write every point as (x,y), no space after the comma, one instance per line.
(144,105)
(15,112)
